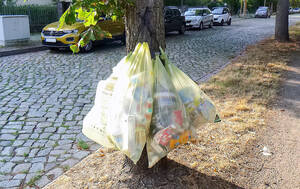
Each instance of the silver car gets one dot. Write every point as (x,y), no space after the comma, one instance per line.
(198,18)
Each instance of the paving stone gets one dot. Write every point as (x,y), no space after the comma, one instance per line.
(5,177)
(22,167)
(81,154)
(63,147)
(33,152)
(44,124)
(53,174)
(18,143)
(61,130)
(7,151)
(34,136)
(28,143)
(21,151)
(17,159)
(10,183)
(36,167)
(63,142)
(70,162)
(50,166)
(45,135)
(6,143)
(7,167)
(7,137)
(44,152)
(19,176)
(39,159)
(51,159)
(50,130)
(23,136)
(55,137)
(42,181)
(57,152)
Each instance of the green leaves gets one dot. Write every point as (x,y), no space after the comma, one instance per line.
(90,12)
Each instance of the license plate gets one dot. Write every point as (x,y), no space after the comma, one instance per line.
(50,40)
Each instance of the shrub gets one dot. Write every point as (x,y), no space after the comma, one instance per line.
(39,16)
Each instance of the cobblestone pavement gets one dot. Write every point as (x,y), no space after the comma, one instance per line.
(45,95)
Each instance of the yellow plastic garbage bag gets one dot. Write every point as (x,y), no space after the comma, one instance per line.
(124,105)
(200,107)
(170,122)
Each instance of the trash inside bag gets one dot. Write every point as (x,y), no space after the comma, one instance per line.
(125,111)
(200,107)
(170,122)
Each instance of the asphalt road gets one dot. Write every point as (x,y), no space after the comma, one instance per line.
(45,95)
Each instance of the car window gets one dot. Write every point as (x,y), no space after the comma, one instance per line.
(208,11)
(199,12)
(168,13)
(177,13)
(225,11)
(189,13)
(217,11)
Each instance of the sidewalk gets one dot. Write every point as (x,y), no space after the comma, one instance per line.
(33,45)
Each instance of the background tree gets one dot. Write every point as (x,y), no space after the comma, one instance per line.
(282,21)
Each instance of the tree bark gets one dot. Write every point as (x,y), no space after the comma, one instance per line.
(144,22)
(282,21)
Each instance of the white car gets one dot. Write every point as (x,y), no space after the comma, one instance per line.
(198,18)
(221,15)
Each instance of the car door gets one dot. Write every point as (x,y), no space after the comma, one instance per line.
(177,19)
(226,14)
(206,17)
(168,20)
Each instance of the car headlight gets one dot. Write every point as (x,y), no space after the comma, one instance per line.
(71,31)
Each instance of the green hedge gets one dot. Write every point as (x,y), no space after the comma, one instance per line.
(39,16)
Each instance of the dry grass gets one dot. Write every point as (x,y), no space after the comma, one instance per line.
(242,92)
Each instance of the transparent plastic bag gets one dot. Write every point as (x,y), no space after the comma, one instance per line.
(200,107)
(95,122)
(130,111)
(170,123)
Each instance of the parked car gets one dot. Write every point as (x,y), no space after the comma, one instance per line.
(55,38)
(263,12)
(198,18)
(291,10)
(296,10)
(221,15)
(173,20)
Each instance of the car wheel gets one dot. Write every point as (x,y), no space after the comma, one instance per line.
(182,29)
(201,26)
(211,24)
(229,22)
(53,48)
(88,47)
(222,22)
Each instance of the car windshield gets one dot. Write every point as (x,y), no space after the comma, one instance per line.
(190,13)
(262,8)
(217,11)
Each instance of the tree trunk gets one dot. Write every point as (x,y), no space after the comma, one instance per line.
(282,21)
(145,23)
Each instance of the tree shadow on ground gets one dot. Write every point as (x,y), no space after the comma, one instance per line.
(291,89)
(173,175)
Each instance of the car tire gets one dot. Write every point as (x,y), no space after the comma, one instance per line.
(53,48)
(182,29)
(201,26)
(222,22)
(211,24)
(88,47)
(229,22)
